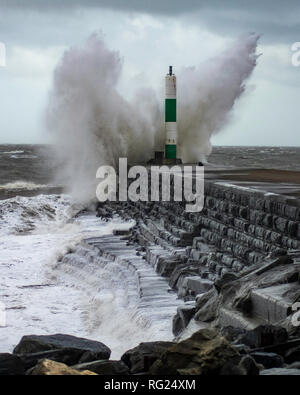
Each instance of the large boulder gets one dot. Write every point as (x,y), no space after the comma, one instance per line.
(268,359)
(11,365)
(104,367)
(141,358)
(263,336)
(225,279)
(68,356)
(205,352)
(207,306)
(80,349)
(292,355)
(240,366)
(46,367)
(182,318)
(237,294)
(232,333)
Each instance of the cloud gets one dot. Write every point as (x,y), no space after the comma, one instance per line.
(278,20)
(150,35)
(158,6)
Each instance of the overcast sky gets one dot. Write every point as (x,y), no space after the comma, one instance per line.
(150,35)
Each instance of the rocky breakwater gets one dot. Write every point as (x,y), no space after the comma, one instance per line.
(231,271)
(235,263)
(266,350)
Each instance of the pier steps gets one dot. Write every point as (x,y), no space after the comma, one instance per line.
(156,300)
(236,230)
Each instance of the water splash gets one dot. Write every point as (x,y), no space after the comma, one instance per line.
(94,125)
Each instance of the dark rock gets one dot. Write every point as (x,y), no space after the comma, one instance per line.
(121,232)
(182,318)
(292,228)
(240,366)
(294,365)
(206,306)
(232,368)
(244,212)
(264,335)
(280,224)
(244,304)
(182,270)
(177,325)
(68,356)
(141,358)
(277,253)
(280,372)
(249,365)
(205,352)
(280,348)
(292,355)
(225,279)
(242,349)
(268,360)
(282,260)
(104,367)
(165,266)
(88,350)
(268,221)
(232,333)
(11,365)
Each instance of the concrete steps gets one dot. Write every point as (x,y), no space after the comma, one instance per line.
(156,300)
(238,320)
(271,304)
(237,228)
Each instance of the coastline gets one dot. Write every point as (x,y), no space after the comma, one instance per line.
(246,236)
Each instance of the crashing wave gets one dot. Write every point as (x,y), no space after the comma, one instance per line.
(23,185)
(12,152)
(24,214)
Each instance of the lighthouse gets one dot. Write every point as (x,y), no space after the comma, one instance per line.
(170,116)
(168,156)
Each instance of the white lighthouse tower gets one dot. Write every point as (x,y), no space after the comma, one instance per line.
(170,116)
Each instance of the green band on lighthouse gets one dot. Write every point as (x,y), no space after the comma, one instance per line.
(170,110)
(170,150)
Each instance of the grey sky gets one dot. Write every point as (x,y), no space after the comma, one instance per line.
(150,35)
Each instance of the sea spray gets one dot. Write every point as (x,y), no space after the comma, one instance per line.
(94,125)
(92,122)
(208,93)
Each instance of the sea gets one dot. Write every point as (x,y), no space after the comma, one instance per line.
(40,224)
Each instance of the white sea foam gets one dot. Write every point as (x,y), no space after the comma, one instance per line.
(24,185)
(52,283)
(110,301)
(35,232)
(24,214)
(12,152)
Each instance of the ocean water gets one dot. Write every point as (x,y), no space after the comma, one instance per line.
(53,282)
(281,158)
(42,296)
(39,226)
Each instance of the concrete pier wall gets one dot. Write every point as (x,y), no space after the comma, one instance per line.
(238,231)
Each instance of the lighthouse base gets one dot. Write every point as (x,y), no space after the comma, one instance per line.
(159,159)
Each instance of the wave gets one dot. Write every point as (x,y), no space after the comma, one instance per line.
(111,301)
(12,152)
(24,214)
(17,156)
(24,185)
(36,295)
